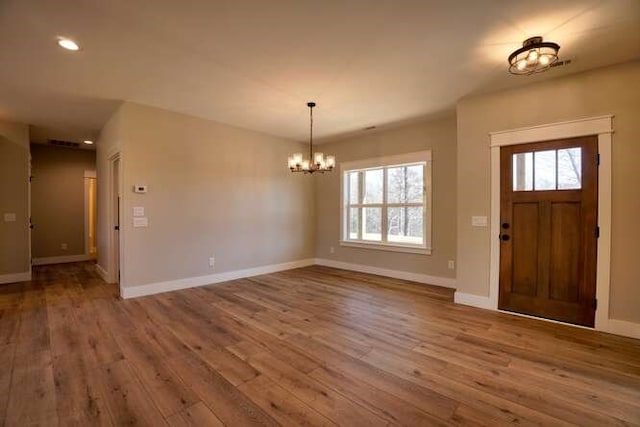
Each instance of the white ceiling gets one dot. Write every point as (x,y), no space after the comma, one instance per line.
(255,63)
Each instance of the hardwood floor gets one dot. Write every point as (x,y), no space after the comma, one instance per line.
(313,346)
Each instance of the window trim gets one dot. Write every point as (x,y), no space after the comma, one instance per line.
(383,163)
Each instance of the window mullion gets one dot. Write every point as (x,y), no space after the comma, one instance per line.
(426,215)
(383,212)
(346,206)
(360,202)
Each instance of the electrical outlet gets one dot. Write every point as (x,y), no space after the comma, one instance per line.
(212,261)
(332,250)
(452,264)
(64,246)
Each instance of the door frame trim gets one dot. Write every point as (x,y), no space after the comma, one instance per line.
(602,127)
(112,250)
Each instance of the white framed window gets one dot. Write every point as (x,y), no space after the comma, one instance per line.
(386,203)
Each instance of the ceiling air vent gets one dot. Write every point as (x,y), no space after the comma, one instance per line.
(61,143)
(561,63)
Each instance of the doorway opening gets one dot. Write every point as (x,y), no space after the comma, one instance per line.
(62,204)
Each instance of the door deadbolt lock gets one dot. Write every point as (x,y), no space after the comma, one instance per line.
(504,237)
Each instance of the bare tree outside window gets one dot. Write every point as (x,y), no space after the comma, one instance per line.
(405,186)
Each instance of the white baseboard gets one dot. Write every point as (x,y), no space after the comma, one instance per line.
(192,282)
(396,274)
(612,326)
(102,273)
(15,277)
(61,259)
(472,300)
(622,327)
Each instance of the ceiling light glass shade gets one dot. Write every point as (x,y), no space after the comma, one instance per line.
(88,142)
(68,44)
(316,162)
(533,57)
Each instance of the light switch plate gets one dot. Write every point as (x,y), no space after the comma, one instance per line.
(140,222)
(138,211)
(9,217)
(479,221)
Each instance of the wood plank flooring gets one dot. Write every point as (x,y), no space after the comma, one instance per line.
(312,346)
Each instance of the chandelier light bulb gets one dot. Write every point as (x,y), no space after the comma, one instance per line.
(331,161)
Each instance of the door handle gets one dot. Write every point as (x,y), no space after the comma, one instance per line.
(504,237)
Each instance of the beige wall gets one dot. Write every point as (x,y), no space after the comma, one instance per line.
(213,190)
(14,178)
(57,199)
(439,136)
(612,90)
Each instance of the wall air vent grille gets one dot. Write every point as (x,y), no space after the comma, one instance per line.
(61,143)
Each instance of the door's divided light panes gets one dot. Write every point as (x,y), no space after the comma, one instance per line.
(569,169)
(547,170)
(544,170)
(523,172)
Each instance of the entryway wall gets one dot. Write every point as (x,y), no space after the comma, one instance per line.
(607,91)
(14,206)
(58,203)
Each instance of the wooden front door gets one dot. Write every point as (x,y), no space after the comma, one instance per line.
(548,229)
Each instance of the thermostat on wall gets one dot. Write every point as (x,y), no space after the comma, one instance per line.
(139,188)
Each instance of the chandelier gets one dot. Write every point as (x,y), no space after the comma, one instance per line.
(533,57)
(316,161)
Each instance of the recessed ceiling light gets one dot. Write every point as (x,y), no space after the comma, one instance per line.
(88,142)
(68,44)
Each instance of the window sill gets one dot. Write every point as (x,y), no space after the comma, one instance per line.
(386,247)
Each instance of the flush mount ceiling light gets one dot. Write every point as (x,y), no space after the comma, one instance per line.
(68,44)
(316,162)
(533,57)
(88,142)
